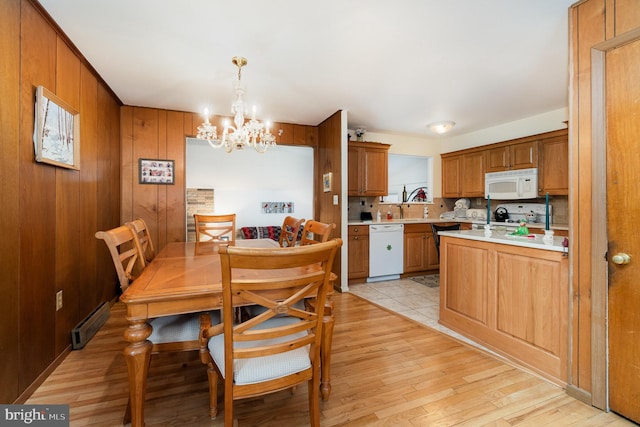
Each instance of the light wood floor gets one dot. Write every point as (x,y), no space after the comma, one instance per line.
(386,371)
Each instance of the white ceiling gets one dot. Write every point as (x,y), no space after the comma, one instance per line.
(394,66)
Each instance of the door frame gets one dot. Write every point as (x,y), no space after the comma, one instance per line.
(599,238)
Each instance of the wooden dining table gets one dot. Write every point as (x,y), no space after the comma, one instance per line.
(180,281)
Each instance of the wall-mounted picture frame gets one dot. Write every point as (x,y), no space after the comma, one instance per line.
(326,182)
(56,133)
(156,171)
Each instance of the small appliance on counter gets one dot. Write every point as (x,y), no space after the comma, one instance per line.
(515,212)
(477,214)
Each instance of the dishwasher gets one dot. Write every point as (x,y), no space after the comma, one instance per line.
(386,252)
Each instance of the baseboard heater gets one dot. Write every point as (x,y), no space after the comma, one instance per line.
(81,334)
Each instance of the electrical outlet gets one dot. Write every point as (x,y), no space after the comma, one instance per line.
(58,300)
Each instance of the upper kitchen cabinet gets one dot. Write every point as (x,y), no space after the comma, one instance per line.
(523,155)
(553,167)
(368,169)
(463,175)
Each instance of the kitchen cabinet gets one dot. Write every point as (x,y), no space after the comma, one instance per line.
(368,164)
(419,248)
(358,252)
(451,177)
(553,168)
(514,300)
(463,175)
(521,155)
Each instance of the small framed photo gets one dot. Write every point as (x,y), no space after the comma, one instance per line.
(326,182)
(56,133)
(155,171)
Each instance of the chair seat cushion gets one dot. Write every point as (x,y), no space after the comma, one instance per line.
(265,368)
(179,328)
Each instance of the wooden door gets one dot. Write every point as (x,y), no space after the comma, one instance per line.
(622,110)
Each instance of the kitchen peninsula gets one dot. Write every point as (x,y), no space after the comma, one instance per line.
(510,294)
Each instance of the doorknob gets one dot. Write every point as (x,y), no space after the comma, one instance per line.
(621,258)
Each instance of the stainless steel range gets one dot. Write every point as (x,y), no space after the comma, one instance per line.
(532,212)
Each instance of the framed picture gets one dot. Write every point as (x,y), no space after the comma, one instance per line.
(56,134)
(155,171)
(326,182)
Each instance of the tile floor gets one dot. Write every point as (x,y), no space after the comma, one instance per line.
(411,299)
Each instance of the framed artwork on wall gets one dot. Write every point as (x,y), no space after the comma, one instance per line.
(56,134)
(326,182)
(156,171)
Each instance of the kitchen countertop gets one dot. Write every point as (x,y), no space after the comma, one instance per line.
(532,241)
(494,224)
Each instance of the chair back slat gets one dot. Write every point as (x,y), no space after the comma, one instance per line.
(124,253)
(316,232)
(143,239)
(214,228)
(290,230)
(435,228)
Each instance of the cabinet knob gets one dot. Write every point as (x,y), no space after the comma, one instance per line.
(355,237)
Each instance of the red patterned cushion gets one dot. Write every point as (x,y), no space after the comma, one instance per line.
(269,232)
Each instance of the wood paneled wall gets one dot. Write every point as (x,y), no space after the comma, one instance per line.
(328,159)
(161,134)
(50,214)
(591,22)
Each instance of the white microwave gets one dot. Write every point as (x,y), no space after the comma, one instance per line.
(511,185)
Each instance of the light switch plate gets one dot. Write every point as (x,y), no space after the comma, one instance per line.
(335,199)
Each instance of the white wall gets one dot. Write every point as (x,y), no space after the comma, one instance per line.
(243,180)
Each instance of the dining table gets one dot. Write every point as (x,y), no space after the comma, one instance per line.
(179,281)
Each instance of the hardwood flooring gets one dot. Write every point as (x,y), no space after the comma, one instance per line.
(387,370)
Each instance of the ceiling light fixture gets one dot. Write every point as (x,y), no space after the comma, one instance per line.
(250,134)
(441,127)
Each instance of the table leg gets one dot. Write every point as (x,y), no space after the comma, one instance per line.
(138,355)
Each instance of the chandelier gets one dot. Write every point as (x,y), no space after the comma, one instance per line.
(250,134)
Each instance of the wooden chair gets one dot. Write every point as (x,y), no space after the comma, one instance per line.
(139,228)
(290,229)
(279,348)
(316,232)
(168,333)
(436,237)
(214,228)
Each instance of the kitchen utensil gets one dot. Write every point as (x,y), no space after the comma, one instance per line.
(501,214)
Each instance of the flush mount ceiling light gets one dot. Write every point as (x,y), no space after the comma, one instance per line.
(250,134)
(441,127)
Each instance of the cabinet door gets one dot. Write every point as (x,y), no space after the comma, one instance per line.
(358,256)
(553,171)
(354,169)
(523,155)
(473,174)
(497,159)
(414,252)
(376,169)
(433,263)
(451,179)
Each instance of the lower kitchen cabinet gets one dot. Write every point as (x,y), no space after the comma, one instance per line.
(419,248)
(358,253)
(513,300)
